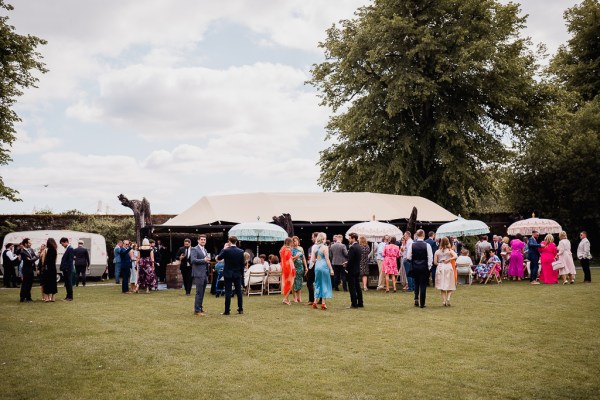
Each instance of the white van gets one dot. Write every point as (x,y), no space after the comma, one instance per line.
(96,245)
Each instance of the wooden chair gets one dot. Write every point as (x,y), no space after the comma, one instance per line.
(495,273)
(256,283)
(273,282)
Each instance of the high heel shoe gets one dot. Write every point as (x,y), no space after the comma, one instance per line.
(286,302)
(324,307)
(314,305)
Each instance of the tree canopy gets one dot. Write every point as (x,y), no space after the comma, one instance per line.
(18,59)
(424,94)
(557,171)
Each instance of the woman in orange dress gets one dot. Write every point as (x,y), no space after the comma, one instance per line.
(288,271)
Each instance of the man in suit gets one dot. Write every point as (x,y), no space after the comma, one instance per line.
(9,262)
(184,254)
(421,257)
(584,255)
(117,261)
(29,258)
(200,262)
(123,253)
(533,253)
(66,266)
(353,270)
(497,244)
(339,256)
(82,262)
(233,272)
(434,248)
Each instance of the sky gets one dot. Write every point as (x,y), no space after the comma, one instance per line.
(178,99)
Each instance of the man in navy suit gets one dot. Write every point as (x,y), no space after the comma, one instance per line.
(123,253)
(534,257)
(66,266)
(29,258)
(233,272)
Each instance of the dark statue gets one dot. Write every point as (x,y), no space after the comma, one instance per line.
(141,214)
(285,221)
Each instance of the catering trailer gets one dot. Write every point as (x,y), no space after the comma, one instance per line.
(96,245)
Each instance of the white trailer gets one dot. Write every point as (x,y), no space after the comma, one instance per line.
(96,245)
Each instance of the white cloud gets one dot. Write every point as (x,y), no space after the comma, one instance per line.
(259,101)
(28,144)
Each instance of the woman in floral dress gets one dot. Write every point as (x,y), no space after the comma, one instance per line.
(300,265)
(146,274)
(365,250)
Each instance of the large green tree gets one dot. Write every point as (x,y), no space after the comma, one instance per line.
(557,171)
(18,59)
(577,64)
(425,94)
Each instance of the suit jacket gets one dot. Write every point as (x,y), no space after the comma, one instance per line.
(433,244)
(117,257)
(66,263)
(29,258)
(125,259)
(234,262)
(354,256)
(533,249)
(82,257)
(185,263)
(339,253)
(199,265)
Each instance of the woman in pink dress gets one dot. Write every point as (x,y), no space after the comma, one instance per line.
(548,254)
(515,266)
(391,252)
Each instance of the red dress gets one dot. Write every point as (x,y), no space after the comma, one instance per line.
(288,272)
(547,256)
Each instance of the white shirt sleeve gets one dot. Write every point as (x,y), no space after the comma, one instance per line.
(429,256)
(409,251)
(11,256)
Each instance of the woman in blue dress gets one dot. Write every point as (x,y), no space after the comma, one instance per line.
(323,271)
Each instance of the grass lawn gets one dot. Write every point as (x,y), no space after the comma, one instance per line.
(509,341)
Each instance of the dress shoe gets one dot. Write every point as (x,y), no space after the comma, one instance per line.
(241,312)
(423,306)
(225,313)
(361,306)
(350,307)
(199,314)
(416,303)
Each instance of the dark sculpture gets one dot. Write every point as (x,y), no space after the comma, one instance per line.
(141,214)
(411,225)
(285,221)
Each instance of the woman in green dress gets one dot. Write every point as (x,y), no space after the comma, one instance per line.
(300,265)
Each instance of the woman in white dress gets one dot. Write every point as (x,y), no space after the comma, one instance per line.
(565,255)
(444,275)
(134,254)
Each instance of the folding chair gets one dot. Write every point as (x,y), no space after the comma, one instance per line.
(273,282)
(256,283)
(220,284)
(495,273)
(466,271)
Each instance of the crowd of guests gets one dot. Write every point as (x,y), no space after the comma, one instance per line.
(412,262)
(21,261)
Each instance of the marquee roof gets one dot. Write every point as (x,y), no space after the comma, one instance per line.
(308,207)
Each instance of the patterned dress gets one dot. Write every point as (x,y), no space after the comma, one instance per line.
(299,265)
(390,257)
(482,269)
(146,275)
(364,260)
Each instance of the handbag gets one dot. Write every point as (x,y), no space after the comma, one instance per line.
(557,265)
